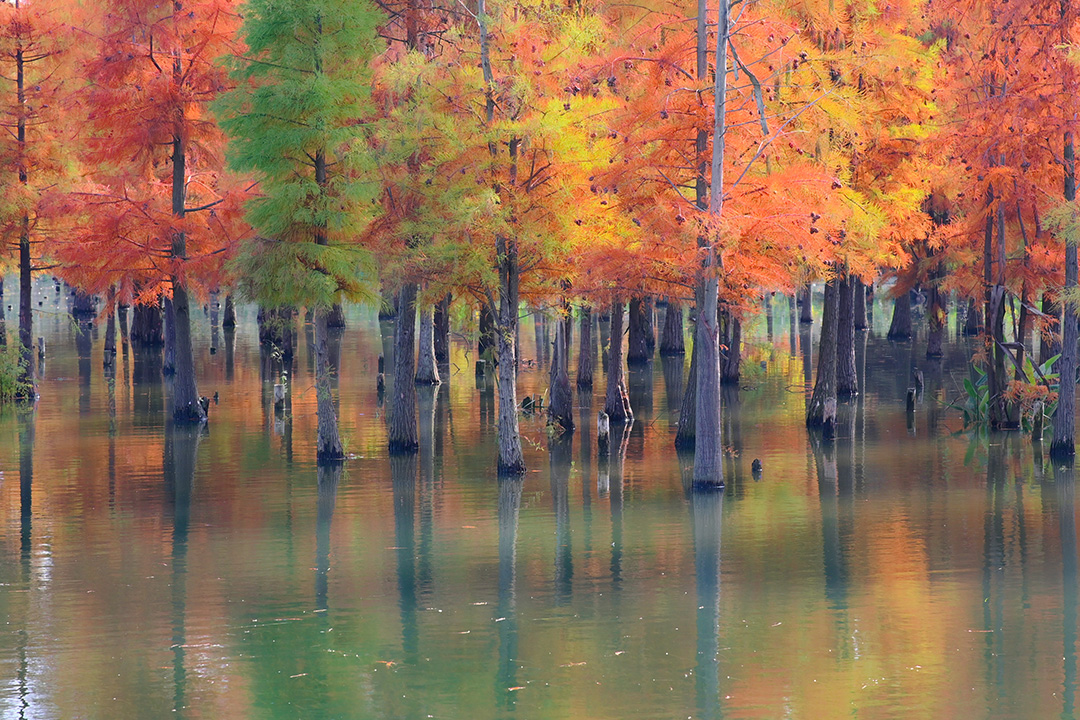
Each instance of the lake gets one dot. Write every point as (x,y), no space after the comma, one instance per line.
(907,570)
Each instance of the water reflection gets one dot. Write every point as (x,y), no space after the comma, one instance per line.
(328,478)
(1064,484)
(83,346)
(178,464)
(403,479)
(560,459)
(706,510)
(506,621)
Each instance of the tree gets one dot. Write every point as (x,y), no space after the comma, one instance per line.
(296,122)
(32,42)
(152,212)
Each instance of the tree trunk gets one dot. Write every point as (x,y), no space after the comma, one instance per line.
(616,400)
(82,305)
(442,331)
(806,304)
(708,456)
(936,314)
(229,320)
(900,328)
(1050,340)
(109,357)
(27,390)
(168,366)
(485,345)
(822,411)
(401,429)
(186,405)
(328,442)
(1062,448)
(859,300)
(146,328)
(511,457)
(847,379)
(972,324)
(561,405)
(277,330)
(336,317)
(731,350)
(671,339)
(637,341)
(687,425)
(648,323)
(427,370)
(586,354)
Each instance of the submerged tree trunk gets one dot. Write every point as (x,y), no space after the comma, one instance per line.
(900,328)
(806,296)
(109,356)
(586,359)
(859,303)
(511,457)
(637,339)
(168,365)
(442,331)
(427,369)
(328,442)
(822,411)
(847,379)
(335,318)
(616,400)
(687,425)
(671,339)
(146,327)
(561,405)
(731,350)
(401,428)
(229,319)
(936,312)
(1062,447)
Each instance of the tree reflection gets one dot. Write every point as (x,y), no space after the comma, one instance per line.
(403,478)
(329,475)
(559,454)
(181,452)
(706,509)
(506,619)
(1064,482)
(26,518)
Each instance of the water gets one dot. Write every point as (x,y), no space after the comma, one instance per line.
(149,571)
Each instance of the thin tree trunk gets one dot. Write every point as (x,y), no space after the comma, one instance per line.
(328,441)
(822,411)
(586,355)
(859,298)
(806,305)
(561,406)
(616,400)
(402,433)
(687,425)
(672,341)
(442,331)
(847,379)
(900,328)
(648,323)
(427,369)
(1062,447)
(229,320)
(1050,344)
(146,326)
(511,457)
(972,324)
(109,356)
(27,389)
(637,343)
(485,345)
(731,352)
(168,366)
(936,314)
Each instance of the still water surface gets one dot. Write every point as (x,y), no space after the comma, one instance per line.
(149,572)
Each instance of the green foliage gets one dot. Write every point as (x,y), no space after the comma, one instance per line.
(1041,385)
(11,384)
(303,93)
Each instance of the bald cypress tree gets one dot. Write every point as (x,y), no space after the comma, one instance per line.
(295,122)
